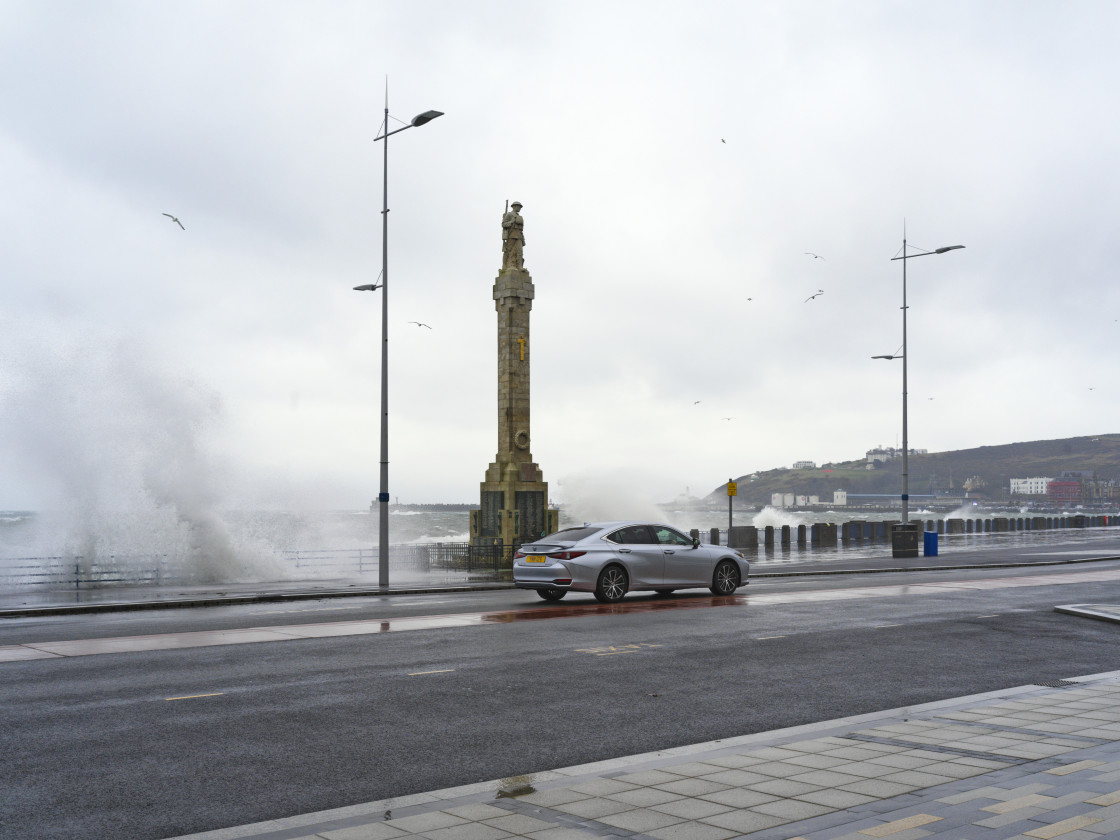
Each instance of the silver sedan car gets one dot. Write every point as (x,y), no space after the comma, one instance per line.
(612,558)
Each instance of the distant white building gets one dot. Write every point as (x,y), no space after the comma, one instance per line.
(1029,486)
(889,453)
(804,465)
(840,498)
(879,453)
(785,500)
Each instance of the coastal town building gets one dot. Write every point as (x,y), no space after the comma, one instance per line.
(1029,486)
(889,453)
(1064,492)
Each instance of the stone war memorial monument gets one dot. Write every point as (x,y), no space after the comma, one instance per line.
(514,505)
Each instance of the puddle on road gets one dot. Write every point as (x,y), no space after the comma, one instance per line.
(393,625)
(530,614)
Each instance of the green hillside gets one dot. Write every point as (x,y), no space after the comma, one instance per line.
(941,473)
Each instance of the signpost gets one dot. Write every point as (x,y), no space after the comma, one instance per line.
(732,491)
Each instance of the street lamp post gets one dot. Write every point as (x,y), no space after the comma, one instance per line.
(905,440)
(383,494)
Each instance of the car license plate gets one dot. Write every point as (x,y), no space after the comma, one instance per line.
(535,558)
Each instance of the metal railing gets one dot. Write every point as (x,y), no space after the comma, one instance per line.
(477,562)
(431,561)
(74,572)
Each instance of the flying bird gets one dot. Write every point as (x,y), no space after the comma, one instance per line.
(728,418)
(697,402)
(722,140)
(814,256)
(417,323)
(818,294)
(175,220)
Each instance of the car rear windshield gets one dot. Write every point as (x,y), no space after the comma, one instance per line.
(571,534)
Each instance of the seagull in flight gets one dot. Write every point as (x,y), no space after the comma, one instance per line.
(697,402)
(722,140)
(818,294)
(175,220)
(417,323)
(728,418)
(814,256)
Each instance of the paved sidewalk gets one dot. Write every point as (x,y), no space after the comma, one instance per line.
(1029,762)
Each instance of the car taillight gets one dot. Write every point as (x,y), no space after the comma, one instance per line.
(568,555)
(518,553)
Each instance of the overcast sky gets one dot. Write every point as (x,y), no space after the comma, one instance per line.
(676,161)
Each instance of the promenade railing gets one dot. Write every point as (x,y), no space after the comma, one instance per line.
(431,562)
(461,562)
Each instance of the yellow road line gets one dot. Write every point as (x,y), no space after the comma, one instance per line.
(193,696)
(421,673)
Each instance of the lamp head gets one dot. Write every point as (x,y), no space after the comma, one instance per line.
(368,287)
(426,117)
(947,248)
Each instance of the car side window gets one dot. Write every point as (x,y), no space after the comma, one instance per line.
(668,536)
(632,535)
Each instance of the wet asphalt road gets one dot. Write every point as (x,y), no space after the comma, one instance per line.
(91,747)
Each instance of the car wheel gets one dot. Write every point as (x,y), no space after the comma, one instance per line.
(726,579)
(552,594)
(661,593)
(612,585)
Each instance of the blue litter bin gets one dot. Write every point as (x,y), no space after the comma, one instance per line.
(930,546)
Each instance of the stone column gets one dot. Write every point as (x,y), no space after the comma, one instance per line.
(742,536)
(514,506)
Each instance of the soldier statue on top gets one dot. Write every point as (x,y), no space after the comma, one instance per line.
(513,238)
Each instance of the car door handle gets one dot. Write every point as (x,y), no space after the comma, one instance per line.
(669,551)
(624,551)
